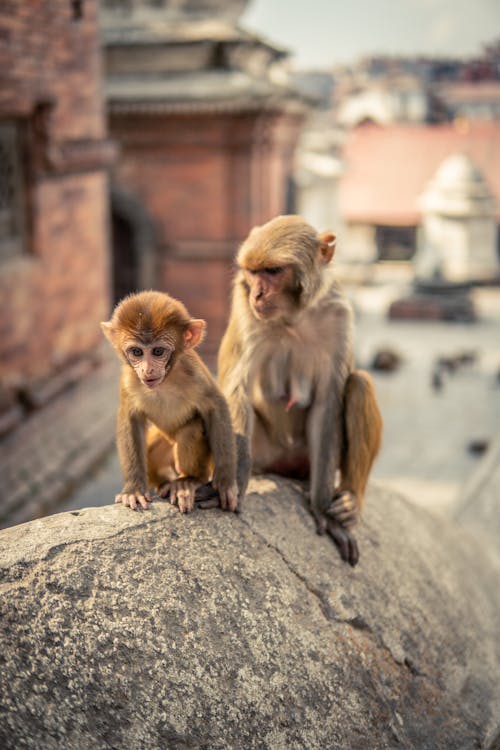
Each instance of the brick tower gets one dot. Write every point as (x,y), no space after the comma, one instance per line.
(207,123)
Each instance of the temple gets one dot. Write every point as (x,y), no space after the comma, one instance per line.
(206,120)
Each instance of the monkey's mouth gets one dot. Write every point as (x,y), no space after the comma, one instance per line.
(152,382)
(265,311)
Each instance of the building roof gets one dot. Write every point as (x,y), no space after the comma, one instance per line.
(214,91)
(157,62)
(125,12)
(388,168)
(474,91)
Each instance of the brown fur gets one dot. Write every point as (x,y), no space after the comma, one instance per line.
(286,368)
(361,412)
(146,316)
(165,384)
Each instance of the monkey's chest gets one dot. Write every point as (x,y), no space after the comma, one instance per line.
(169,412)
(283,391)
(284,380)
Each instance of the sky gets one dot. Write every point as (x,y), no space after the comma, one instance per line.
(322,33)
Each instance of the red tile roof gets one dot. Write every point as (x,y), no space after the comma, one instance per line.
(387,168)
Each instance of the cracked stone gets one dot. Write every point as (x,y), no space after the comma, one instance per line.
(216,630)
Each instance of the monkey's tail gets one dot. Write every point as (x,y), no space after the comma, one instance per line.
(362,431)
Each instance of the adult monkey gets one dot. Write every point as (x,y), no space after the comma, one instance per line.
(286,369)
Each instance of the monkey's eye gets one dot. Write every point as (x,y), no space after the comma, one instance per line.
(135,351)
(274,270)
(158,351)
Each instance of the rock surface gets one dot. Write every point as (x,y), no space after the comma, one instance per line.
(478,508)
(156,630)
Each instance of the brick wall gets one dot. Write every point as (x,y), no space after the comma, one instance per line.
(55,292)
(205,180)
(47,54)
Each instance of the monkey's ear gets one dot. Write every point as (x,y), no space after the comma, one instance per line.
(194,333)
(107,329)
(327,246)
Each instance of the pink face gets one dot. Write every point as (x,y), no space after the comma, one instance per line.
(151,362)
(270,291)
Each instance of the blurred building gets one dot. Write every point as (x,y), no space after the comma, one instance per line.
(395,99)
(387,90)
(207,121)
(388,169)
(418,89)
(458,241)
(318,168)
(53,194)
(478,100)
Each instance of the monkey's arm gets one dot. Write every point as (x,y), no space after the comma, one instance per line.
(223,448)
(233,383)
(325,441)
(241,413)
(130,441)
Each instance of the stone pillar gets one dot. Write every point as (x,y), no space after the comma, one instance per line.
(459,228)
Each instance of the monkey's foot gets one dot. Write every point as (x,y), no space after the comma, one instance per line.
(344,509)
(209,496)
(228,495)
(134,499)
(344,540)
(182,492)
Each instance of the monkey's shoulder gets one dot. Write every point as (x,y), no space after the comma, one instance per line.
(193,373)
(331,300)
(321,325)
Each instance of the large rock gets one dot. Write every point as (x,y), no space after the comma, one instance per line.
(478,508)
(155,630)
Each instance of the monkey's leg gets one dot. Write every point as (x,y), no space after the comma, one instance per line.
(362,439)
(207,496)
(192,460)
(160,458)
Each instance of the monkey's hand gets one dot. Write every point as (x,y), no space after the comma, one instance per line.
(207,497)
(344,509)
(228,494)
(182,492)
(344,540)
(134,499)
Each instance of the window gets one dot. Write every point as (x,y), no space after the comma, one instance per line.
(396,243)
(11,191)
(77,10)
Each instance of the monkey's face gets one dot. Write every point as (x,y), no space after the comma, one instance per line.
(151,362)
(271,292)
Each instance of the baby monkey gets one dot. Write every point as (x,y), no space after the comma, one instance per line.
(174,430)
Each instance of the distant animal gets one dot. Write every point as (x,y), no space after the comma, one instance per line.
(386,360)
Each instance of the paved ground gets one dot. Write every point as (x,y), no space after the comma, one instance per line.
(104,482)
(426,435)
(425,451)
(47,456)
